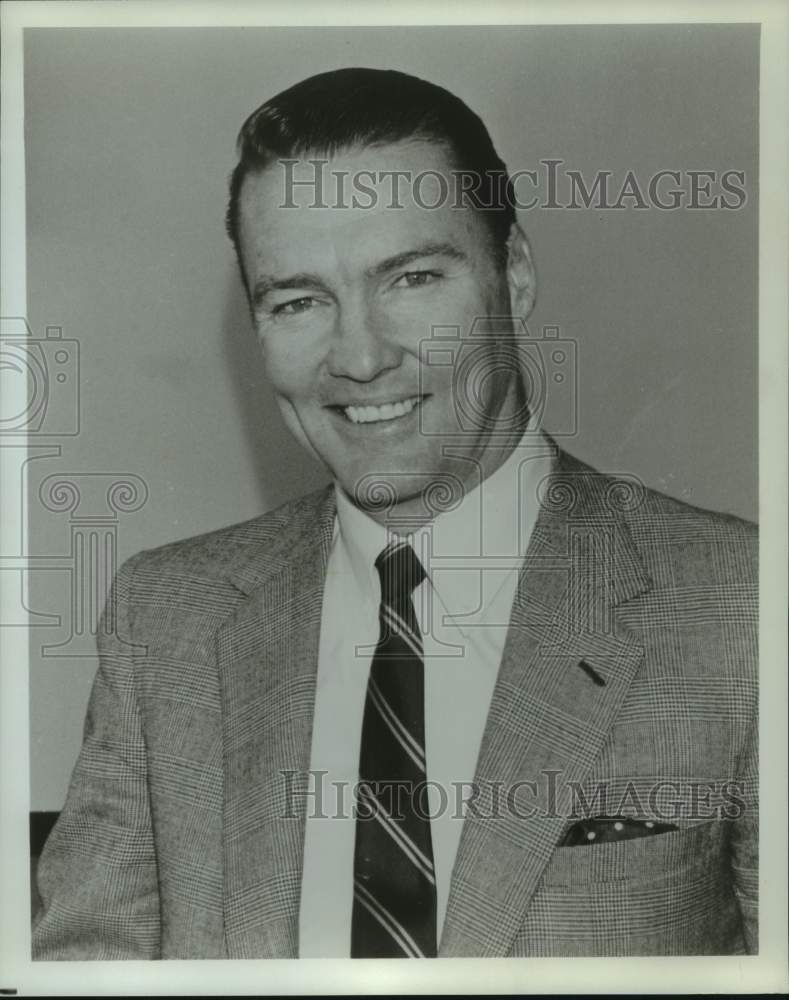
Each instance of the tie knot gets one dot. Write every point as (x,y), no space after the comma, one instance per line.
(400,572)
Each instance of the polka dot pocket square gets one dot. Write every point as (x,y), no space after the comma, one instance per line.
(611,829)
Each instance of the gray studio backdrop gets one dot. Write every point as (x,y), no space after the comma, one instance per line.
(129,141)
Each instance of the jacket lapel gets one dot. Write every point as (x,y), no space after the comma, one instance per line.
(548,716)
(268,655)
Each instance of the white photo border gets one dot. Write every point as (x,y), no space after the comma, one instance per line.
(742,974)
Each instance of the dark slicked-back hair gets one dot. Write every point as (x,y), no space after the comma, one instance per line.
(347,108)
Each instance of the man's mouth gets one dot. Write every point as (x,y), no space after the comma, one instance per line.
(385,411)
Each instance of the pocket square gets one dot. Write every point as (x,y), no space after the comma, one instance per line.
(610,829)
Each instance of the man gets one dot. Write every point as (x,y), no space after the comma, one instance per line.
(535,683)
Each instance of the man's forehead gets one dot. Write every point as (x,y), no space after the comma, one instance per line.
(345,204)
(379,176)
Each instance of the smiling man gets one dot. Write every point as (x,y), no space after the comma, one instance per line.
(344,296)
(474,698)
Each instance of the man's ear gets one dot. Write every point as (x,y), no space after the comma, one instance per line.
(521,276)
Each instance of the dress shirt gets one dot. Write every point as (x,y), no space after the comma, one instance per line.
(471,554)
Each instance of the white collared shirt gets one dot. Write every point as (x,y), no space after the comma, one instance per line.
(472,555)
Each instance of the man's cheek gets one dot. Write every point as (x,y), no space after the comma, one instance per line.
(290,376)
(287,360)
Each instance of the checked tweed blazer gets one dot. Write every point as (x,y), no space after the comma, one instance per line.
(178,838)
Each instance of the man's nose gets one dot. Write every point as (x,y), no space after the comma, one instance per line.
(363,344)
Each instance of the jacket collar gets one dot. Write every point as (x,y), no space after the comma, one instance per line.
(302,534)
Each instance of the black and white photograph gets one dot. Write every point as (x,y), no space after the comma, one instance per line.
(390,425)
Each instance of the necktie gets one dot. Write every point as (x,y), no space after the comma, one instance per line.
(394,899)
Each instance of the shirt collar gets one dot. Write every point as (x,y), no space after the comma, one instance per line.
(362,538)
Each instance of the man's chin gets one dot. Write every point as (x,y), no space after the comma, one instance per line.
(414,496)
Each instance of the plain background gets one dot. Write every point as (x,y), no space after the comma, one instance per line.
(129,142)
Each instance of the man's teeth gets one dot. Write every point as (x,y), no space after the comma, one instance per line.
(368,414)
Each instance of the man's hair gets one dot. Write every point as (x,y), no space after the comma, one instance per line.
(346,108)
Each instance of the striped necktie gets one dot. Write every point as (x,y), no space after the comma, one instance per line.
(394,899)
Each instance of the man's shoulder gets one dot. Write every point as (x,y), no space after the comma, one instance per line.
(216,553)
(669,531)
(719,544)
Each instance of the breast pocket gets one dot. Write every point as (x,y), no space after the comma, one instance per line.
(666,894)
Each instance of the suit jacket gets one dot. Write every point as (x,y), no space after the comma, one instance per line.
(630,664)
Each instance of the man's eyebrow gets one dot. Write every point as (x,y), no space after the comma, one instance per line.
(408,256)
(266,283)
(303,279)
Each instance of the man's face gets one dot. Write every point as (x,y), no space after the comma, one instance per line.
(344,300)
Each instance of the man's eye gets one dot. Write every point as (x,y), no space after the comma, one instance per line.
(415,279)
(294,306)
